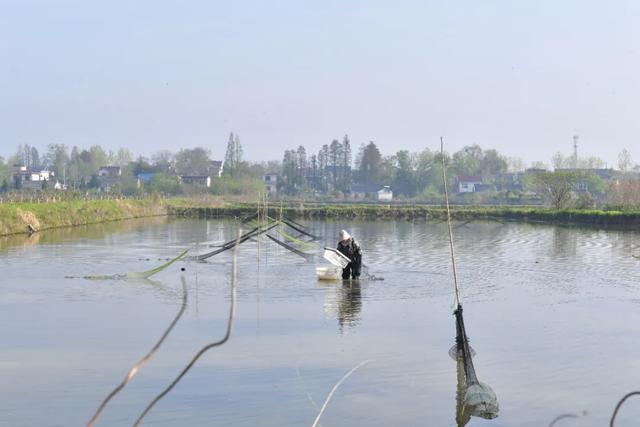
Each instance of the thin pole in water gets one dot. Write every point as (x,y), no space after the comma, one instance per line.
(446,197)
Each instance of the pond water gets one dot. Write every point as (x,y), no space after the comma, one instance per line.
(553,314)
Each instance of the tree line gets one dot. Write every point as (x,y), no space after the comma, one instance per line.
(332,170)
(408,173)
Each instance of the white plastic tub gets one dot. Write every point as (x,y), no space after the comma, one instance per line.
(328,273)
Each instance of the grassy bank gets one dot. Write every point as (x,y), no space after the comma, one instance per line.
(20,217)
(424,212)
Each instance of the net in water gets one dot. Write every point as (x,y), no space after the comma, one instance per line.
(479,399)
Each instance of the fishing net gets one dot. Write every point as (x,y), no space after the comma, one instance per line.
(479,399)
(291,248)
(299,229)
(232,243)
(294,240)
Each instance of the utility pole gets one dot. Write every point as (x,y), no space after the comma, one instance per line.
(575,151)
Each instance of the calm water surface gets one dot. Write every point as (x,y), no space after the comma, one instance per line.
(552,312)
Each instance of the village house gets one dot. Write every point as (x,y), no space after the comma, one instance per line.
(109,177)
(271,182)
(382,193)
(109,171)
(216,167)
(199,180)
(468,184)
(33,179)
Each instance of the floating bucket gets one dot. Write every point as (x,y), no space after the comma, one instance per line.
(328,273)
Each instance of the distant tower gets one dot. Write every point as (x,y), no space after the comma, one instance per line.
(575,151)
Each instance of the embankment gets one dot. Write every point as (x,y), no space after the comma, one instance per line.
(24,217)
(603,218)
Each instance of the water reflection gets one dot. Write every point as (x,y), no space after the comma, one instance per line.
(564,242)
(93,231)
(343,300)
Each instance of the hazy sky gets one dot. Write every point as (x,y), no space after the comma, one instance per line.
(518,76)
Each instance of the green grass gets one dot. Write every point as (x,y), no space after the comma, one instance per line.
(425,212)
(16,217)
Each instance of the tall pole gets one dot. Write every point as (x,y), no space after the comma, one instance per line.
(446,197)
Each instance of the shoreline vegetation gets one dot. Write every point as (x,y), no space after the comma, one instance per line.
(19,218)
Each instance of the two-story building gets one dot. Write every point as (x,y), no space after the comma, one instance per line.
(34,179)
(271,182)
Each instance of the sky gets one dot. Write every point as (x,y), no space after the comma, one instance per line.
(521,77)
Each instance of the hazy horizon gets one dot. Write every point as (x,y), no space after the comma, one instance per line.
(522,78)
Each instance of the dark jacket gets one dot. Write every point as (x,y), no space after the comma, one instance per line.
(351,249)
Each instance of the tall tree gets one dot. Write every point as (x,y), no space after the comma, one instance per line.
(624,160)
(301,153)
(323,166)
(290,182)
(492,164)
(123,157)
(26,156)
(5,171)
(35,158)
(404,180)
(345,184)
(163,161)
(192,161)
(314,172)
(424,163)
(75,172)
(557,187)
(57,159)
(370,163)
(233,156)
(468,160)
(335,161)
(559,161)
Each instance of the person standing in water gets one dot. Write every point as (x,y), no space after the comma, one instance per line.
(351,249)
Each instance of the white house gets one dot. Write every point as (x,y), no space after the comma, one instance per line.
(378,192)
(271,182)
(384,194)
(467,184)
(31,178)
(40,175)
